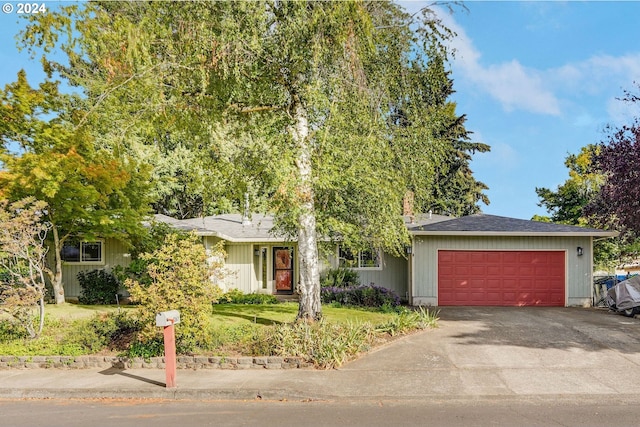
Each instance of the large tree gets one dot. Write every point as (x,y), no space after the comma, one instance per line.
(89,192)
(292,101)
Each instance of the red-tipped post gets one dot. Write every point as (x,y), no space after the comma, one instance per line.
(167,319)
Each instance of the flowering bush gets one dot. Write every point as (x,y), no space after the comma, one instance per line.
(362,296)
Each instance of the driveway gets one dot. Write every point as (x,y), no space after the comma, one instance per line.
(490,351)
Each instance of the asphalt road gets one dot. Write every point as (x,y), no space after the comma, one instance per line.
(533,411)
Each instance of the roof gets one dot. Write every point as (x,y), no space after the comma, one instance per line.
(230,227)
(492,225)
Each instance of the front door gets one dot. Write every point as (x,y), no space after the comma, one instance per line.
(283,269)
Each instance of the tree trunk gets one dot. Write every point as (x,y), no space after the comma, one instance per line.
(309,287)
(56,280)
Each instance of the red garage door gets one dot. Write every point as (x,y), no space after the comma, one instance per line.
(502,278)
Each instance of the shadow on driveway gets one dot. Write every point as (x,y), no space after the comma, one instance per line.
(588,329)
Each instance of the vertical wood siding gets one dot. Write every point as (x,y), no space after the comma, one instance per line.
(579,268)
(243,266)
(114,254)
(393,275)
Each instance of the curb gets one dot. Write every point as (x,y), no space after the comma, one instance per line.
(183,362)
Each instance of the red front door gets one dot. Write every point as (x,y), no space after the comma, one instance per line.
(501,278)
(283,269)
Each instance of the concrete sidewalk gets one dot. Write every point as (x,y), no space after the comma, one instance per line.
(474,353)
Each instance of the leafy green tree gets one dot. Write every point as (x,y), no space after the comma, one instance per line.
(290,101)
(568,204)
(22,262)
(89,192)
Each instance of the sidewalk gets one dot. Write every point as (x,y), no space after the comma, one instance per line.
(461,359)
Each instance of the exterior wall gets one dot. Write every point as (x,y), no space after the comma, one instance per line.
(243,265)
(393,275)
(578,268)
(115,253)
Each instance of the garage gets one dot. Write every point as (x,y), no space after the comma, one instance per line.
(501,278)
(488,260)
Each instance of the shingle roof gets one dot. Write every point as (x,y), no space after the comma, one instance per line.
(229,227)
(482,224)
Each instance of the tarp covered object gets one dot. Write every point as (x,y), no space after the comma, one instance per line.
(626,294)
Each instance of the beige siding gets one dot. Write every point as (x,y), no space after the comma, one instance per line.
(393,275)
(239,263)
(243,265)
(578,269)
(115,253)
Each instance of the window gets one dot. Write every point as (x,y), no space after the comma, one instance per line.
(89,252)
(360,260)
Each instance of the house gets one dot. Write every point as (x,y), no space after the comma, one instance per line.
(472,260)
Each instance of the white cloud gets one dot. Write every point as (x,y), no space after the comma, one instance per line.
(510,83)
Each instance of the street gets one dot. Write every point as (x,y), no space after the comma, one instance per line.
(499,411)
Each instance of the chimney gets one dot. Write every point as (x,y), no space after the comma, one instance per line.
(245,214)
(407,205)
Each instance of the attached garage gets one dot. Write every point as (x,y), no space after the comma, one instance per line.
(501,278)
(487,260)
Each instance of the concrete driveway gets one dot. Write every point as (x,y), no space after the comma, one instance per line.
(491,351)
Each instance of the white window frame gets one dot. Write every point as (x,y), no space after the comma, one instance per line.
(359,265)
(80,245)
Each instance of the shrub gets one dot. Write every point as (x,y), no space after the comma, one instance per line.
(325,344)
(408,320)
(113,331)
(181,279)
(97,287)
(360,296)
(340,278)
(236,296)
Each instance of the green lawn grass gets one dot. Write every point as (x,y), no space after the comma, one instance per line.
(269,314)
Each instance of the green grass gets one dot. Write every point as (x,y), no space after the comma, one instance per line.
(269,314)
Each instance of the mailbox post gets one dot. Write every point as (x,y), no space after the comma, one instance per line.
(167,319)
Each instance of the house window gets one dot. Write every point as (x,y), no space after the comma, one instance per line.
(87,252)
(360,260)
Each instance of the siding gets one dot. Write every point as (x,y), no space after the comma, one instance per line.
(393,275)
(114,254)
(425,259)
(243,265)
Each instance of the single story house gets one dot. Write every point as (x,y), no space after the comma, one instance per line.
(472,260)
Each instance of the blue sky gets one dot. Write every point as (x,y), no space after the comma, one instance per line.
(537,81)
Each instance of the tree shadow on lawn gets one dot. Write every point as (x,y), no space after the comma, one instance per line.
(259,314)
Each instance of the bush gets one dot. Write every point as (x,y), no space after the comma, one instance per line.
(114,331)
(360,296)
(98,287)
(340,278)
(180,275)
(325,344)
(236,296)
(408,320)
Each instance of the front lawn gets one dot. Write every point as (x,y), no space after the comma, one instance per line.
(234,330)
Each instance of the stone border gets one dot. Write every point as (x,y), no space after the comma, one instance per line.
(183,362)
